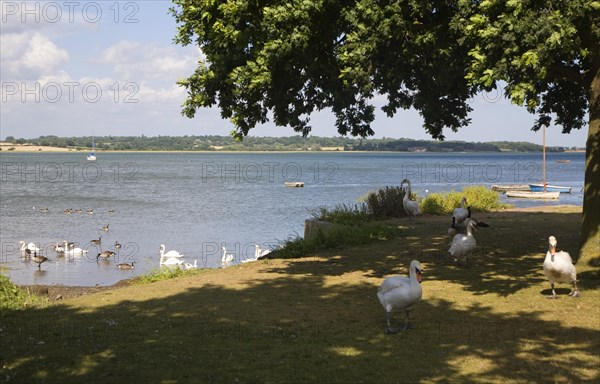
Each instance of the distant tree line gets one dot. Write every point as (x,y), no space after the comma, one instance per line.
(291,143)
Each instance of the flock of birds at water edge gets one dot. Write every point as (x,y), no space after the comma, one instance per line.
(402,293)
(68,249)
(396,293)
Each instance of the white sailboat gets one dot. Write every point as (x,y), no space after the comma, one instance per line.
(92,155)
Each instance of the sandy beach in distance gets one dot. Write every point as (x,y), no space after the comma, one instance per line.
(33,148)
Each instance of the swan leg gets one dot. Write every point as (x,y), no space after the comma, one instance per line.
(389,330)
(553,293)
(575,291)
(406,325)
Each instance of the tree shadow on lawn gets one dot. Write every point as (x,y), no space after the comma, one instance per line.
(508,257)
(280,328)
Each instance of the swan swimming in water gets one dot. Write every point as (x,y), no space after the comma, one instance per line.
(410,207)
(73,251)
(401,293)
(226,257)
(30,246)
(171,253)
(559,268)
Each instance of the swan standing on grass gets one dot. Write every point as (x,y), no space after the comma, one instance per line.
(410,207)
(461,214)
(226,257)
(463,245)
(559,268)
(401,293)
(258,253)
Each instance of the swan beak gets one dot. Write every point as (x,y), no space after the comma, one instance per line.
(419,277)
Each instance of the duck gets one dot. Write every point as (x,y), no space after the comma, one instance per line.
(410,207)
(463,244)
(97,241)
(461,214)
(226,257)
(105,228)
(117,245)
(104,255)
(401,293)
(90,211)
(559,268)
(126,265)
(39,259)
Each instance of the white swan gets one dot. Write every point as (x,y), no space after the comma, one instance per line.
(30,246)
(559,268)
(73,251)
(400,293)
(226,257)
(170,261)
(461,214)
(410,207)
(187,265)
(463,244)
(171,253)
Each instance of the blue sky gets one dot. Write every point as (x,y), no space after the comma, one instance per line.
(77,68)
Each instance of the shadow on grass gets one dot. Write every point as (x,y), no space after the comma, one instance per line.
(299,323)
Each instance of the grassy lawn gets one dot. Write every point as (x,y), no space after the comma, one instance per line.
(317,319)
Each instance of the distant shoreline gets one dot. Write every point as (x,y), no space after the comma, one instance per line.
(39,148)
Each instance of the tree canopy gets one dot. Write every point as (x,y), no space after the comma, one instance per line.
(283,60)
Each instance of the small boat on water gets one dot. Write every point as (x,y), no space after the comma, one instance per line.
(533,195)
(92,155)
(294,184)
(510,187)
(549,188)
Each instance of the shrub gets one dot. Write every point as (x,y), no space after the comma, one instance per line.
(13,297)
(479,198)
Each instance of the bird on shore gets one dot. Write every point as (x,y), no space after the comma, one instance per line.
(104,255)
(126,265)
(461,214)
(401,293)
(463,245)
(410,207)
(39,259)
(559,268)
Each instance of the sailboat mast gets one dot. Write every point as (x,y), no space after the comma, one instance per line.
(544,158)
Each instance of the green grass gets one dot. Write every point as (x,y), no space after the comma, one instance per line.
(160,274)
(317,319)
(13,297)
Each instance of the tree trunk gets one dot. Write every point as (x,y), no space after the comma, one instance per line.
(590,222)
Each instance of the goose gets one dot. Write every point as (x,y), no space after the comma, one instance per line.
(401,293)
(67,210)
(559,268)
(30,246)
(410,207)
(226,257)
(111,211)
(89,211)
(191,266)
(39,259)
(461,214)
(105,228)
(97,241)
(104,255)
(73,251)
(117,245)
(44,210)
(125,265)
(463,244)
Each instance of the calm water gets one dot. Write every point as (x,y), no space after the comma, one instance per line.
(194,202)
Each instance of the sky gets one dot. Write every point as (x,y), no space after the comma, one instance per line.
(82,68)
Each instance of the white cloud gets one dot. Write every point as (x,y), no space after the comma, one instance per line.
(138,62)
(28,56)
